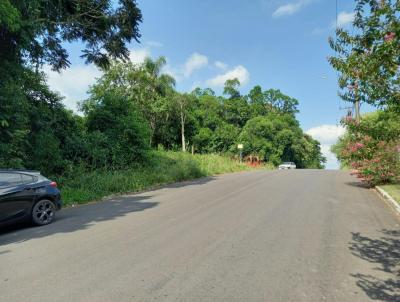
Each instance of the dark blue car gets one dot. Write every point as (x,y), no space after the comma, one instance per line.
(26,194)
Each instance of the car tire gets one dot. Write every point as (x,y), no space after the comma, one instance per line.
(43,212)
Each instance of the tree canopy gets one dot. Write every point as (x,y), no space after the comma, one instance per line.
(131,108)
(368,57)
(32,32)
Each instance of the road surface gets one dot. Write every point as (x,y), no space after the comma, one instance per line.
(303,235)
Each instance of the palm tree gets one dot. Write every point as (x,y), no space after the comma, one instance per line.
(157,87)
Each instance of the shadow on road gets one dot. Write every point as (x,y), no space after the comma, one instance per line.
(79,218)
(358,184)
(385,253)
(184,183)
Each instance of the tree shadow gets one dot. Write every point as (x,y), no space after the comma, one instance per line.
(184,183)
(77,218)
(82,217)
(385,252)
(358,184)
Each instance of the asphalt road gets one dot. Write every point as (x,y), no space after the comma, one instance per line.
(300,235)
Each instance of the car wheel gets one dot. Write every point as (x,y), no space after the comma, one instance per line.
(43,212)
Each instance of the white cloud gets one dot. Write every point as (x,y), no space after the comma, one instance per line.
(168,69)
(327,135)
(154,44)
(195,62)
(239,72)
(137,56)
(344,19)
(72,83)
(290,8)
(331,160)
(220,65)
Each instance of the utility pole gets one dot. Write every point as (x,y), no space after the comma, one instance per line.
(356,102)
(349,110)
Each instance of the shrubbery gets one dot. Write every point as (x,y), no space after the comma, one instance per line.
(163,167)
(372,148)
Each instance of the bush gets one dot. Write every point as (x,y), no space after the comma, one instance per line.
(375,162)
(161,168)
(372,148)
(117,134)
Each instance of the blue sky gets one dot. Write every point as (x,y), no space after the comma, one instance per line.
(281,44)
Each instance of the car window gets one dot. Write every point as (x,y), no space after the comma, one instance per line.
(8,179)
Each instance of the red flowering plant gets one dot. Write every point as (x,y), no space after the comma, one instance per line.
(383,167)
(373,160)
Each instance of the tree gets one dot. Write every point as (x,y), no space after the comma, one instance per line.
(307,153)
(278,137)
(257,101)
(144,85)
(368,58)
(235,107)
(231,88)
(225,138)
(236,111)
(203,140)
(280,102)
(122,134)
(185,104)
(208,111)
(32,32)
(272,100)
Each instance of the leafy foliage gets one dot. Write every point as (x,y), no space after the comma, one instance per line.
(368,60)
(372,147)
(163,167)
(122,137)
(131,108)
(276,138)
(32,31)
(36,131)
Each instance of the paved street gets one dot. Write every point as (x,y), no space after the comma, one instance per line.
(303,235)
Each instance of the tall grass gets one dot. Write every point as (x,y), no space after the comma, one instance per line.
(163,168)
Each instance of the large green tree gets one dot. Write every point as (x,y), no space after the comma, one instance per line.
(144,85)
(368,57)
(34,125)
(121,134)
(278,137)
(32,32)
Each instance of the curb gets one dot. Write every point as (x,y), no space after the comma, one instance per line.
(389,198)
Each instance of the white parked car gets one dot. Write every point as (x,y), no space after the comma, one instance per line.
(287,165)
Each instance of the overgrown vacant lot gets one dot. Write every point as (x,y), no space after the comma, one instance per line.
(162,168)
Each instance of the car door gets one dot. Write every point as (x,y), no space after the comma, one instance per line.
(16,195)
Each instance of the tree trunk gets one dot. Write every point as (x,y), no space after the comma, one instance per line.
(152,130)
(183,130)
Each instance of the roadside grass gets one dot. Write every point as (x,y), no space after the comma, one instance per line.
(163,168)
(393,190)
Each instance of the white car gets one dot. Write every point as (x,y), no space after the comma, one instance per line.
(287,165)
